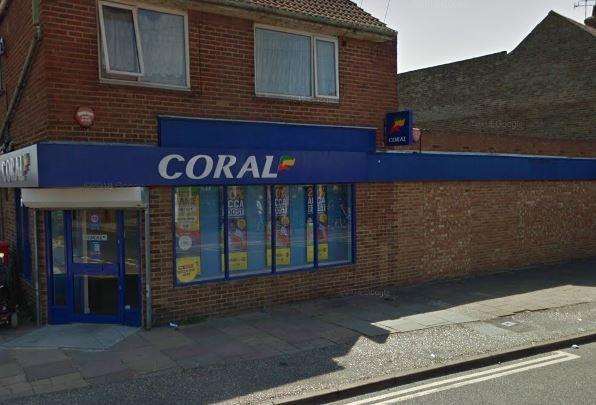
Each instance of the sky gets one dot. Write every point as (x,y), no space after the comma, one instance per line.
(434,32)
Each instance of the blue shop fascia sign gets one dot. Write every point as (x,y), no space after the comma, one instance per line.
(217,152)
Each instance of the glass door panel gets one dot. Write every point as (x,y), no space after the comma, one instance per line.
(94,237)
(96,295)
(95,262)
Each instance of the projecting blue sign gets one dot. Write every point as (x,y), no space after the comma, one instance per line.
(399,127)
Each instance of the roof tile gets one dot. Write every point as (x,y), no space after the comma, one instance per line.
(339,11)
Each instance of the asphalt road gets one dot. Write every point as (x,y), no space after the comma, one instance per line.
(562,377)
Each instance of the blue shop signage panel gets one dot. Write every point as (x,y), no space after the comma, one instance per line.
(399,128)
(70,165)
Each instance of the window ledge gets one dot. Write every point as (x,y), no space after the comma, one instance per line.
(288,272)
(154,86)
(297,99)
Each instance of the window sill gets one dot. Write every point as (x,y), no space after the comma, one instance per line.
(298,99)
(244,277)
(154,86)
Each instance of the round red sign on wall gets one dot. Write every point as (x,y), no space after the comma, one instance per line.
(416,134)
(85,117)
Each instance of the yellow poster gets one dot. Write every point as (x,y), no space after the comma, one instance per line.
(282,256)
(188,234)
(188,268)
(238,261)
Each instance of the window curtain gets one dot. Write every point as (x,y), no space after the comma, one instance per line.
(326,80)
(283,63)
(164,47)
(121,40)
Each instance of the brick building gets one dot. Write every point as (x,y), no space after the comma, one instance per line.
(171,159)
(539,97)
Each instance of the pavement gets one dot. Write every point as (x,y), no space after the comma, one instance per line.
(559,377)
(302,348)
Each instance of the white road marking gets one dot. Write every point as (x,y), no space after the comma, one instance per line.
(460,381)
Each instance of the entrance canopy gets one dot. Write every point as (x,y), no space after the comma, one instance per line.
(56,198)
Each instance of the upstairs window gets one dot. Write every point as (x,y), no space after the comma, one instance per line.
(295,65)
(143,45)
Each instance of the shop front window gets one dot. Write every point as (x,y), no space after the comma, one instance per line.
(293,228)
(227,232)
(199,234)
(335,224)
(248,213)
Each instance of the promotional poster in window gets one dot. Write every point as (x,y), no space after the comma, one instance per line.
(188,234)
(322,223)
(282,228)
(237,228)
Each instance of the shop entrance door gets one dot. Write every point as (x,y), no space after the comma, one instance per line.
(95,257)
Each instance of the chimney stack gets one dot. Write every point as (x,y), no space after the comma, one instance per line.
(591,21)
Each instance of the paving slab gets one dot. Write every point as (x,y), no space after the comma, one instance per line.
(165,338)
(10,369)
(13,379)
(33,357)
(44,386)
(147,360)
(49,370)
(69,381)
(21,389)
(98,368)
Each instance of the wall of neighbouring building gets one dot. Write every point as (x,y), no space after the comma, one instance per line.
(544,89)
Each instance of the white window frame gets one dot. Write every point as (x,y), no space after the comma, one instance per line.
(135,21)
(136,78)
(316,82)
(315,96)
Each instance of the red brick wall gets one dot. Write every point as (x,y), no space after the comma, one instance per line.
(221,67)
(460,228)
(436,140)
(30,120)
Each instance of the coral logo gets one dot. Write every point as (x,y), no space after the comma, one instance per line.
(286,163)
(398,124)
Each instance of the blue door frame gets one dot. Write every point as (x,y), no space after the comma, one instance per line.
(67,314)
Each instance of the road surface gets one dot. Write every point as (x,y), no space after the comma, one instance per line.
(560,377)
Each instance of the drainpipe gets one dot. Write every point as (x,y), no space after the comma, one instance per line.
(36,271)
(3,8)
(148,320)
(5,140)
